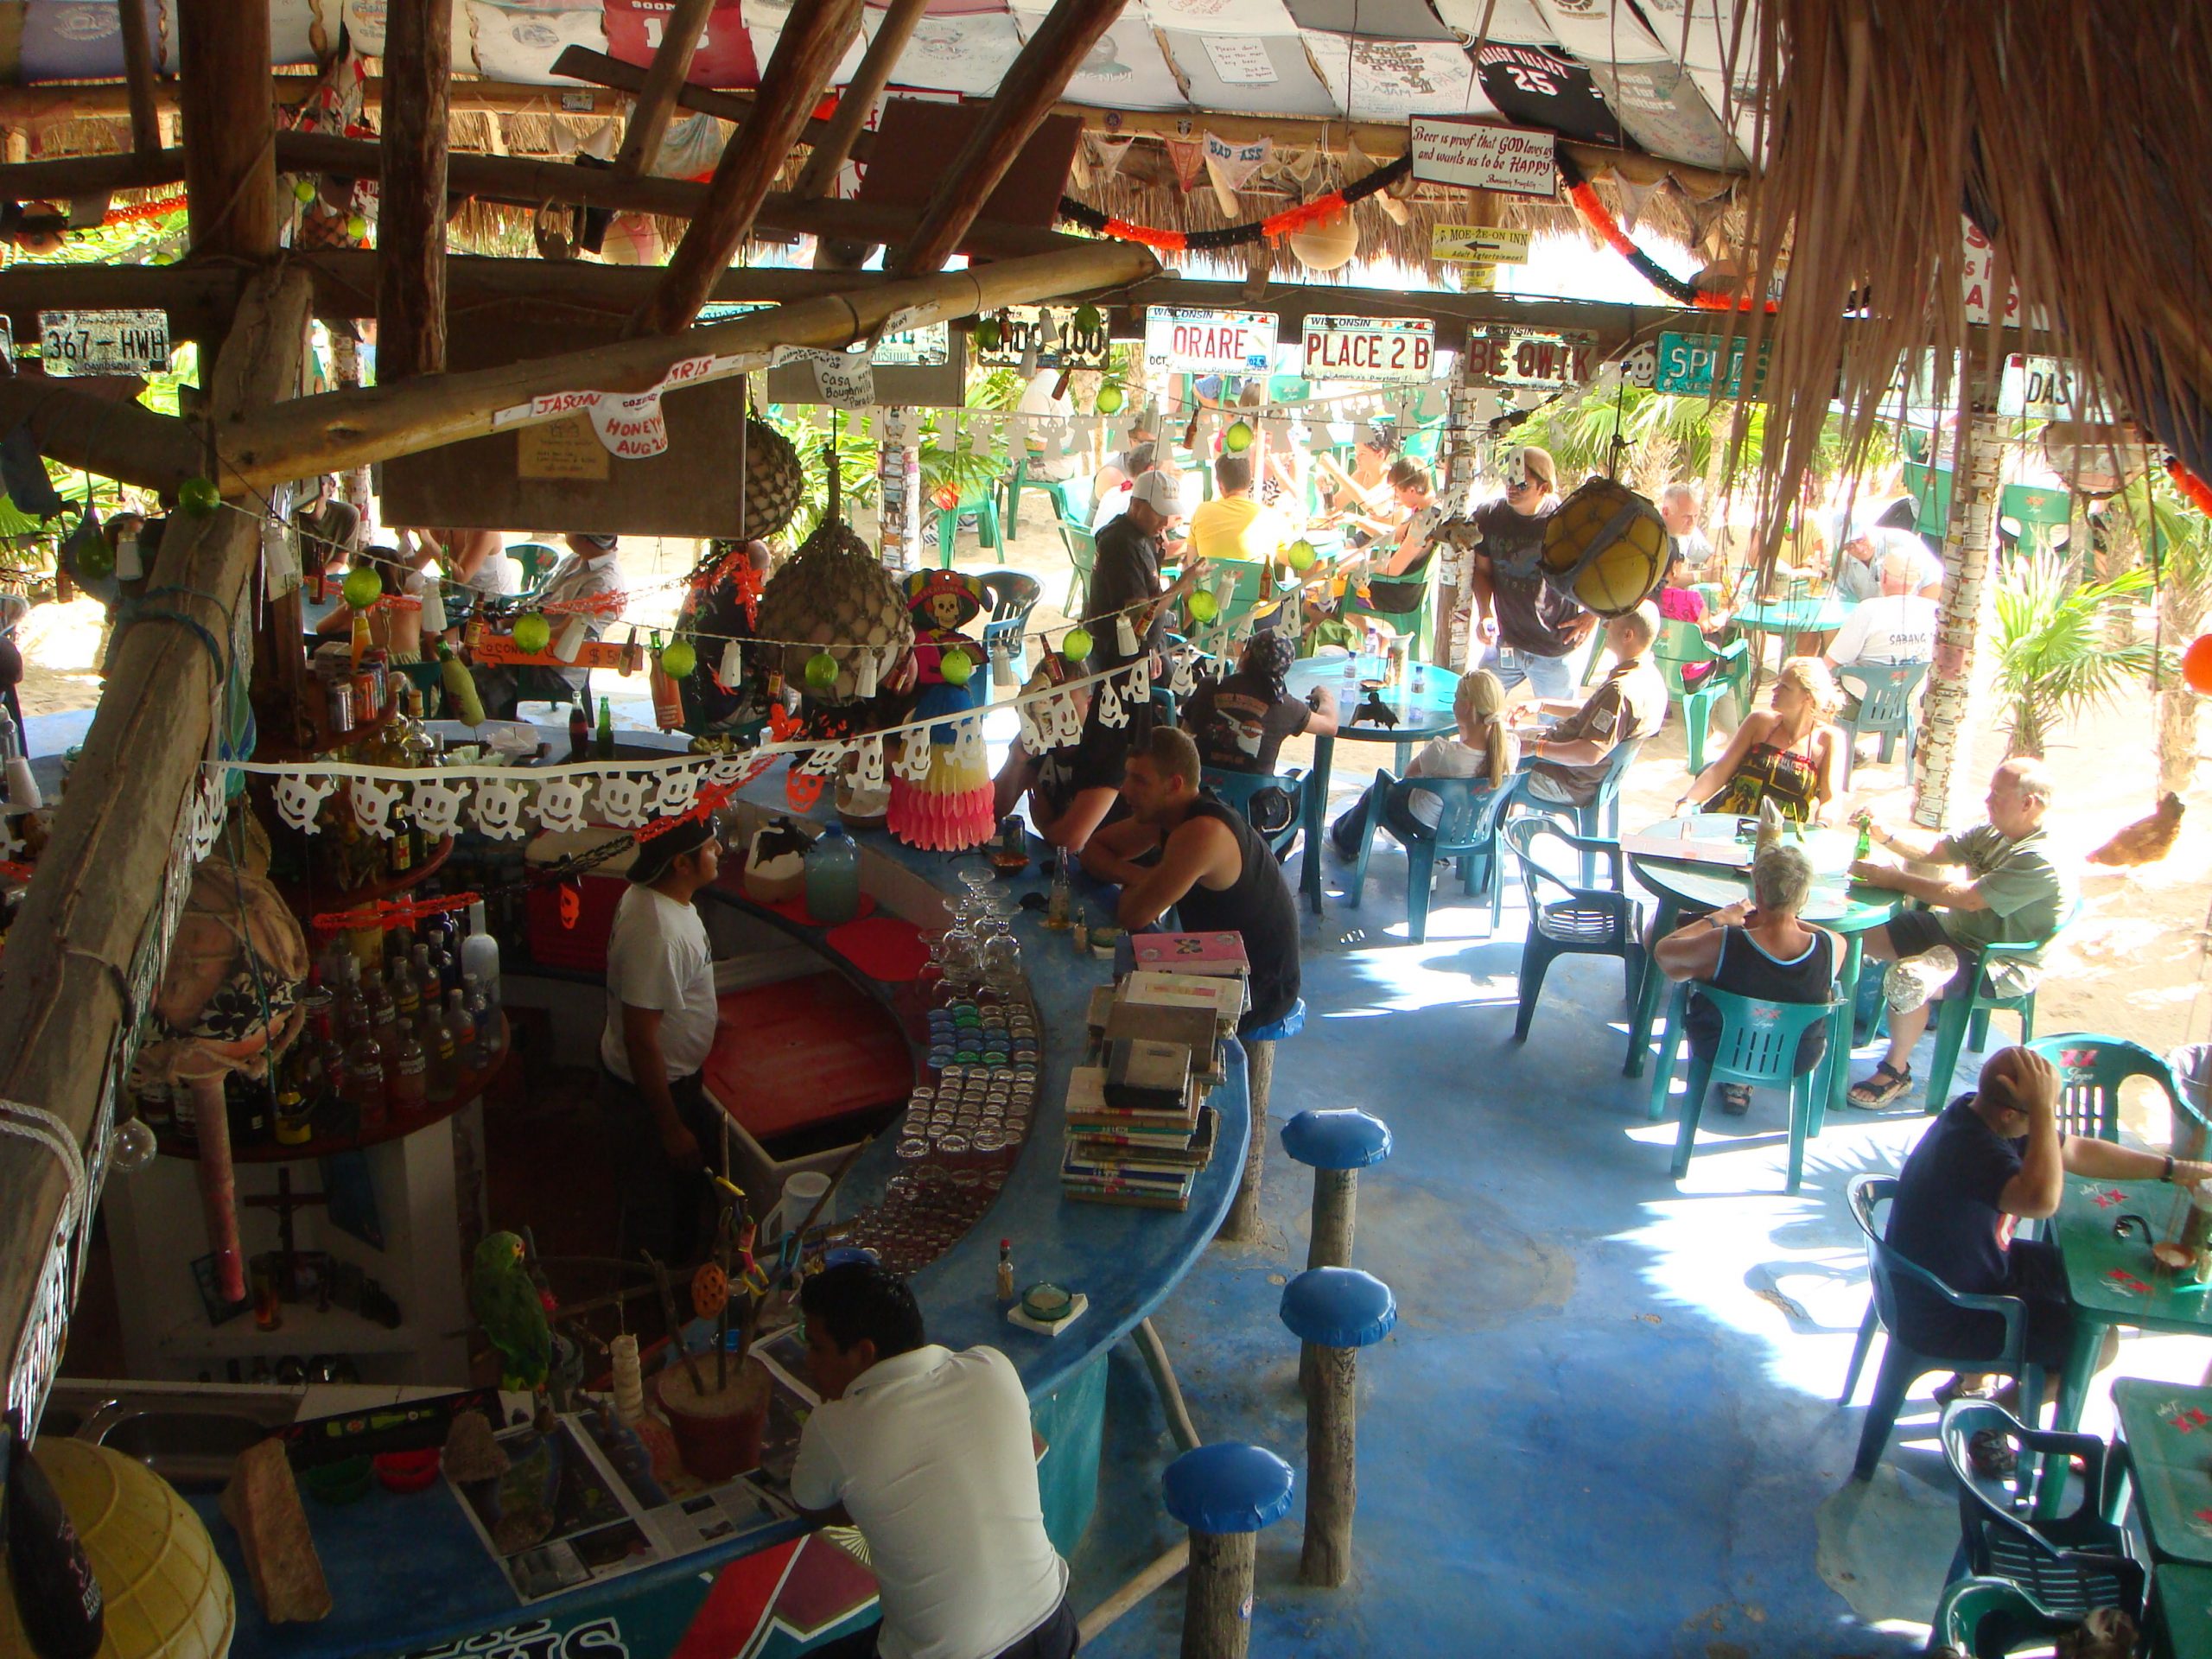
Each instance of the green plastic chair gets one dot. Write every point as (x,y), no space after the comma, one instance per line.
(2091,1068)
(1466,830)
(1758,1048)
(1017,481)
(1237,790)
(1682,645)
(1902,1365)
(1082,558)
(1602,815)
(1239,587)
(1885,691)
(985,505)
(1961,1020)
(535,560)
(1583,921)
(1987,1618)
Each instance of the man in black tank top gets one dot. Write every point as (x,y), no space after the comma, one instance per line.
(1212,868)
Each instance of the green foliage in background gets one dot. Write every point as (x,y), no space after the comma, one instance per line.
(2056,656)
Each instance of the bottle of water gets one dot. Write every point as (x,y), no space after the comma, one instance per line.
(833,877)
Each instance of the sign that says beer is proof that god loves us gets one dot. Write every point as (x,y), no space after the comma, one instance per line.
(1479,157)
(1183,339)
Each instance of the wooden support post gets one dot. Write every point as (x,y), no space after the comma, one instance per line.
(116,440)
(139,77)
(83,941)
(411,198)
(1242,1224)
(671,66)
(1217,1595)
(1332,1467)
(815,36)
(1462,452)
(1024,98)
(229,127)
(831,151)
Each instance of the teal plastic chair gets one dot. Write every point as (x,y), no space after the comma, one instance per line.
(1681,645)
(1415,624)
(1602,816)
(1013,595)
(1988,1618)
(1236,789)
(535,561)
(1017,481)
(2071,1564)
(1083,558)
(1758,1049)
(1583,921)
(2091,1068)
(1466,830)
(1885,691)
(984,505)
(1961,1020)
(1901,1365)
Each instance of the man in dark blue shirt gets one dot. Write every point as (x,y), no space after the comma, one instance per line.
(1993,1158)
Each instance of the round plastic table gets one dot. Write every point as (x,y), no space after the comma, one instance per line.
(1791,617)
(1421,705)
(1846,907)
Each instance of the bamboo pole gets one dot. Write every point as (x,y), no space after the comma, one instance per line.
(412,195)
(815,36)
(1024,98)
(340,429)
(832,150)
(229,131)
(65,999)
(139,77)
(671,66)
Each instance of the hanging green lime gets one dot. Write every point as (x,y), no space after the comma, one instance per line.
(679,659)
(356,226)
(303,190)
(199,496)
(1301,555)
(532,633)
(1087,320)
(363,587)
(1075,645)
(1203,606)
(987,333)
(1110,400)
(820,671)
(1237,439)
(956,666)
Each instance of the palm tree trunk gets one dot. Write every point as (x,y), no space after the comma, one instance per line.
(1957,700)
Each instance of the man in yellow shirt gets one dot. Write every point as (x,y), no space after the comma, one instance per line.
(1233,525)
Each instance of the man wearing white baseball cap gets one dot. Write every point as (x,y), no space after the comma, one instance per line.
(1125,581)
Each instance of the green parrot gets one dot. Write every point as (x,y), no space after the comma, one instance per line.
(506,1303)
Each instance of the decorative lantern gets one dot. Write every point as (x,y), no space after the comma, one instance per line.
(1327,244)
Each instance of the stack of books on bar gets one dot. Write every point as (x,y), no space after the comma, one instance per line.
(1139,1130)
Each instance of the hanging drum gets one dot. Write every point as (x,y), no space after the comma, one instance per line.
(1605,547)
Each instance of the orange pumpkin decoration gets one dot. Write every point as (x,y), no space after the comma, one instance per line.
(709,1290)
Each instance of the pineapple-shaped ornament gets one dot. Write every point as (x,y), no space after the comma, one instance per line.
(948,807)
(833,619)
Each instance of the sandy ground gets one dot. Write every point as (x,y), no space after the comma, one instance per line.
(2135,965)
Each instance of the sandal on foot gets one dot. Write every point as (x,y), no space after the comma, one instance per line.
(1735,1098)
(1886,1084)
(1959,1387)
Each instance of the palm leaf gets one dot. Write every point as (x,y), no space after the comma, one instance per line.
(2055,658)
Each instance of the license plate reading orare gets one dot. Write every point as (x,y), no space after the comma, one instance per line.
(105,342)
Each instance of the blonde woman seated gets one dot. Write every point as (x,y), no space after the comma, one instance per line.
(1786,754)
(1755,947)
(1481,748)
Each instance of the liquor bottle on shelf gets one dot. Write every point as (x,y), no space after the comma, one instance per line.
(294,1122)
(365,1081)
(479,956)
(443,1073)
(461,1031)
(579,733)
(383,1014)
(604,749)
(406,989)
(248,1103)
(485,1048)
(407,1075)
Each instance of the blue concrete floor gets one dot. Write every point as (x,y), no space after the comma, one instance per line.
(1606,1422)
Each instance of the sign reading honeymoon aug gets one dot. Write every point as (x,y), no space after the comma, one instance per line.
(1183,339)
(1371,348)
(1514,357)
(1478,157)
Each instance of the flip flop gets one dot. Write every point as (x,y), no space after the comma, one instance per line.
(1877,1090)
(1735,1098)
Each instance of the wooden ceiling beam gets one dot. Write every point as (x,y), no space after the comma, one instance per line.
(847,126)
(139,77)
(47,103)
(1025,97)
(671,65)
(611,74)
(815,36)
(411,192)
(229,128)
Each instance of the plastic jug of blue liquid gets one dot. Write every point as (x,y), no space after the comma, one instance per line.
(833,877)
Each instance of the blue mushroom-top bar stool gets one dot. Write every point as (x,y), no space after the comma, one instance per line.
(1224,1494)
(1335,1311)
(1335,1145)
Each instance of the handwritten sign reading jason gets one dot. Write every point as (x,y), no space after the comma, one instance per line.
(1466,153)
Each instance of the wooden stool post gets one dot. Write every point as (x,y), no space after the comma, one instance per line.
(1335,1311)
(1242,1224)
(1224,1494)
(1337,1145)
